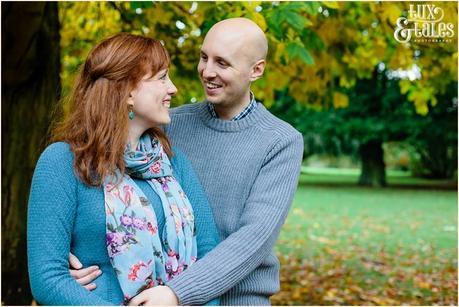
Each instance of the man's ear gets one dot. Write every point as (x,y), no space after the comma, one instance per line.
(257,70)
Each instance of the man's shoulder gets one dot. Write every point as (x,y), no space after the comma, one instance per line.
(278,126)
(186,109)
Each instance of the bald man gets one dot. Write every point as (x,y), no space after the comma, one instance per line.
(248,162)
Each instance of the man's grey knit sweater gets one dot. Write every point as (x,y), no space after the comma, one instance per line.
(249,169)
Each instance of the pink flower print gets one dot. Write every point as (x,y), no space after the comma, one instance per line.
(152,229)
(171,264)
(128,192)
(156,167)
(115,191)
(178,226)
(150,284)
(180,269)
(126,220)
(187,214)
(138,223)
(182,194)
(149,214)
(110,210)
(193,259)
(175,210)
(140,271)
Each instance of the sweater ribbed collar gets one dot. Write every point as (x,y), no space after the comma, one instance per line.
(228,125)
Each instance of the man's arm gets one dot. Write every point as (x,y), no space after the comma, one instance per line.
(83,276)
(244,250)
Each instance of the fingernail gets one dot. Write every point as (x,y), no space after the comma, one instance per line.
(99,272)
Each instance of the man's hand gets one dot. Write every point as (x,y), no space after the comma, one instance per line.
(83,276)
(160,295)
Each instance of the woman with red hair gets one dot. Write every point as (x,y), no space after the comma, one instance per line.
(111,190)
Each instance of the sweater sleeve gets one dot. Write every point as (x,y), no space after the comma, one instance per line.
(244,250)
(206,230)
(51,214)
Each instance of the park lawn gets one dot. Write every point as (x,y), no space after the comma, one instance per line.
(344,244)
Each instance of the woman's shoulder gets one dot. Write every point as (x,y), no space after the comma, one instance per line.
(179,159)
(57,151)
(56,155)
(180,162)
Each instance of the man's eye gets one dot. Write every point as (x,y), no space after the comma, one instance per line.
(221,63)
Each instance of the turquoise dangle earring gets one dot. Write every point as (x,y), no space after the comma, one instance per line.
(131,112)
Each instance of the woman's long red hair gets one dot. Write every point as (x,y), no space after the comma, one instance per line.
(97,125)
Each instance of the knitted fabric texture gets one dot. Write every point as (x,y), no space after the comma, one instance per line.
(65,215)
(249,169)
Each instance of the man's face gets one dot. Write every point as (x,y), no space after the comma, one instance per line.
(224,69)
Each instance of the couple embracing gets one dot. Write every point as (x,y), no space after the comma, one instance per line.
(137,204)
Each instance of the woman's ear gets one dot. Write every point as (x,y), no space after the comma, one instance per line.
(130,100)
(258,70)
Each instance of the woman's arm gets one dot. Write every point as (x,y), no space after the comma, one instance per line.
(51,214)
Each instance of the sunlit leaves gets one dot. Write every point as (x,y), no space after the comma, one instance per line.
(296,49)
(314,47)
(340,100)
(331,4)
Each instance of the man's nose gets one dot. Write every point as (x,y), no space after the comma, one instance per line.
(208,71)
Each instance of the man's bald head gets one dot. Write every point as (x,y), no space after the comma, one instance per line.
(233,55)
(245,32)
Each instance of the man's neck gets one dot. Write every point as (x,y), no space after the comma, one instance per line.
(225,112)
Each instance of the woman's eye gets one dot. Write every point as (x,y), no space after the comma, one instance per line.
(163,77)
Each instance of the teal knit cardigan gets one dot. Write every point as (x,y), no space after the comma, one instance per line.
(65,215)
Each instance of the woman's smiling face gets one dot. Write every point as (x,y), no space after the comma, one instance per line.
(152,99)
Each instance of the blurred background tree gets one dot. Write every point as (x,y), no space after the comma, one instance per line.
(380,115)
(30,91)
(335,72)
(320,55)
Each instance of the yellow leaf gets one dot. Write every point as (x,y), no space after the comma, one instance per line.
(424,285)
(259,20)
(331,4)
(392,12)
(340,100)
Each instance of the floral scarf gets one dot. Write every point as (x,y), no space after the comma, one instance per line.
(138,255)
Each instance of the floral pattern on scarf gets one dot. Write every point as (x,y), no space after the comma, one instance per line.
(139,256)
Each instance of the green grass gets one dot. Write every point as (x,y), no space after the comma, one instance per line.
(348,245)
(330,210)
(349,177)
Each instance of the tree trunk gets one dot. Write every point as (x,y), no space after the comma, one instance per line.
(30,90)
(373,168)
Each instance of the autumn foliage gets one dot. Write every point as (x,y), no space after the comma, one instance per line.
(316,48)
(337,278)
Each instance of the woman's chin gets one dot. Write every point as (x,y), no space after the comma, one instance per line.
(163,121)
